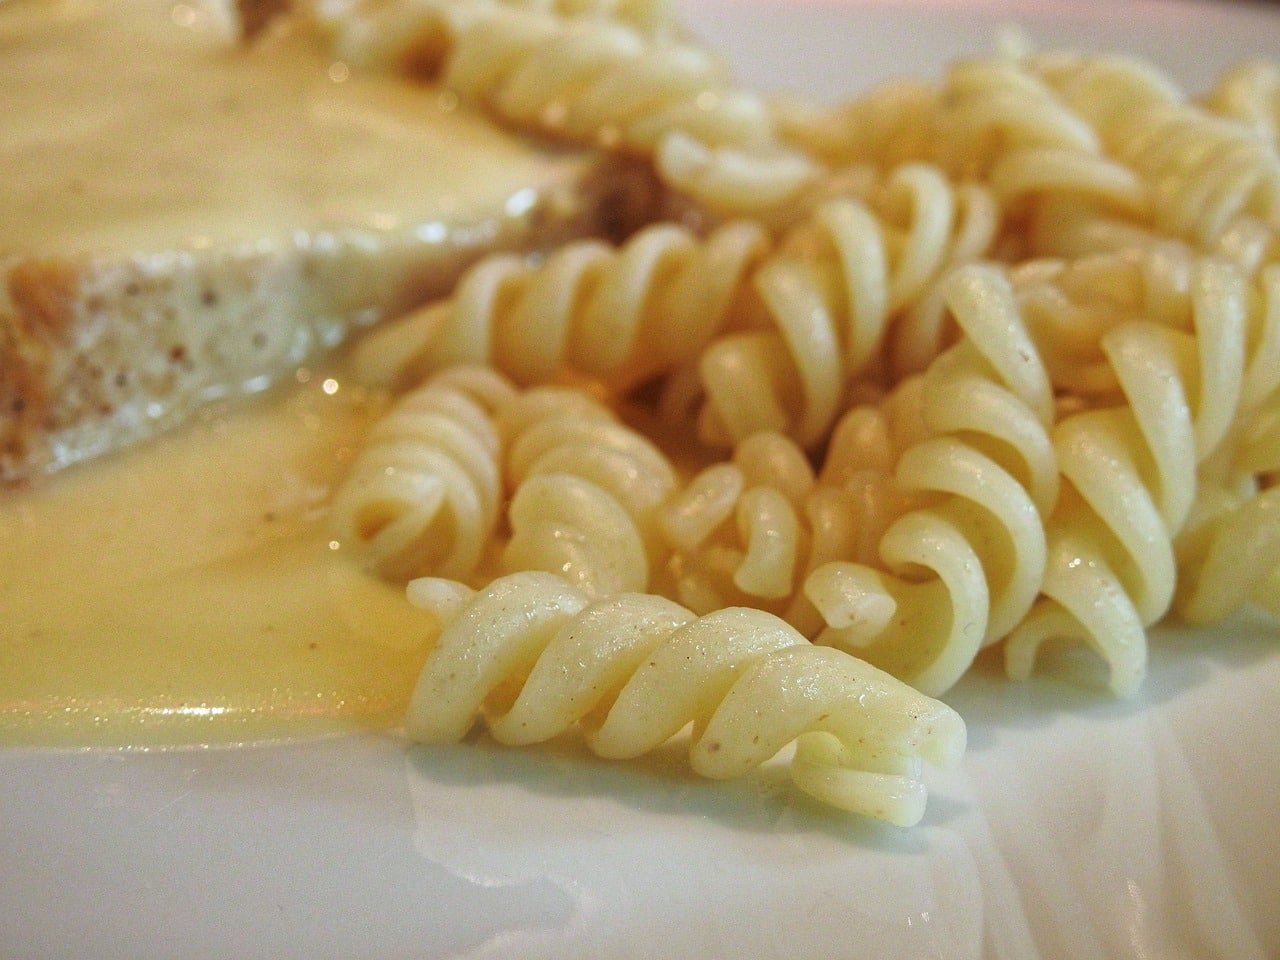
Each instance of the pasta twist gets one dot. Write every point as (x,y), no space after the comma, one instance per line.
(412,36)
(622,315)
(831,292)
(989,119)
(1205,351)
(1229,553)
(1250,94)
(595,82)
(962,569)
(587,491)
(423,495)
(892,124)
(751,530)
(537,657)
(1204,171)
(1001,123)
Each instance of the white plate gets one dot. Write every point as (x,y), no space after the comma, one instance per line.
(1077,827)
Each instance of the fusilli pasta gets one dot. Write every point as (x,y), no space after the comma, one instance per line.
(831,292)
(587,491)
(536,657)
(961,570)
(423,495)
(617,314)
(1130,468)
(1204,171)
(751,530)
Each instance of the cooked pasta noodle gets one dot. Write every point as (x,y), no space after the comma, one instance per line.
(595,82)
(424,493)
(1130,468)
(892,124)
(1204,171)
(963,569)
(537,657)
(587,489)
(1250,93)
(831,292)
(751,530)
(413,36)
(1229,554)
(617,314)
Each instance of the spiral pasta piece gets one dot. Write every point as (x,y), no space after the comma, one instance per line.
(587,492)
(831,292)
(1130,469)
(412,36)
(621,315)
(749,531)
(889,125)
(536,657)
(1250,94)
(999,122)
(963,568)
(424,493)
(1229,553)
(602,83)
(1204,171)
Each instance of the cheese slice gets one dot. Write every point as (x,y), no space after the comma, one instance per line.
(184,218)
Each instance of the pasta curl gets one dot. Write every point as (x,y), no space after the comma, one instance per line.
(1229,554)
(749,531)
(1130,465)
(536,657)
(832,292)
(620,315)
(1250,94)
(1204,171)
(595,82)
(962,569)
(412,36)
(423,495)
(587,491)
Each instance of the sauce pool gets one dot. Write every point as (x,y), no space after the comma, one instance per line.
(187,592)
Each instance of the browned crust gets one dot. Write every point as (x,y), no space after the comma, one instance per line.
(41,297)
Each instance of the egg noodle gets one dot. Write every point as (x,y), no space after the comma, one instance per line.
(987,360)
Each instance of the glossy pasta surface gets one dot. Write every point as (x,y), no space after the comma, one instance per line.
(985,360)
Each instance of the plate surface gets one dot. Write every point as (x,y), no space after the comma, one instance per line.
(1076,827)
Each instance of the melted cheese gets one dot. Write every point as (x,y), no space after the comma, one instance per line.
(196,142)
(186,592)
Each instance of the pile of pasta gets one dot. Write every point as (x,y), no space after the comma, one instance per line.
(988,359)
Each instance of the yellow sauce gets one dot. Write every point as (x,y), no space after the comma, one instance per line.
(186,592)
(139,125)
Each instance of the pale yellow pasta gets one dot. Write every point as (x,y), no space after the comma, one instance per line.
(831,292)
(1250,93)
(1229,553)
(730,181)
(1130,468)
(535,657)
(587,489)
(1204,171)
(962,569)
(596,82)
(749,531)
(423,496)
(413,35)
(619,315)
(989,119)
(892,124)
